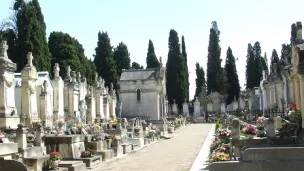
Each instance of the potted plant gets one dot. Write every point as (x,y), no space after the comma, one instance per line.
(54,160)
(224,135)
(249,131)
(86,154)
(116,140)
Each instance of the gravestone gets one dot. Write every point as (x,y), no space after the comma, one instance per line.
(58,99)
(8,112)
(197,107)
(185,108)
(174,107)
(28,92)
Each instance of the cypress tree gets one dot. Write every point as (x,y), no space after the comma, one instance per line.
(200,79)
(214,73)
(233,81)
(31,36)
(104,61)
(122,57)
(275,59)
(136,65)
(151,59)
(67,51)
(176,84)
(250,67)
(184,53)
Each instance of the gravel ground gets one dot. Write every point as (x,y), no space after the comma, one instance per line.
(175,154)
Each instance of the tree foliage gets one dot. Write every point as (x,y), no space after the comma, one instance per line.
(200,79)
(214,69)
(184,53)
(152,61)
(176,71)
(104,61)
(233,88)
(136,65)
(67,51)
(122,57)
(30,36)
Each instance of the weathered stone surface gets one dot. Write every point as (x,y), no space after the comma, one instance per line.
(127,148)
(273,153)
(36,162)
(118,151)
(64,139)
(8,148)
(90,161)
(33,151)
(106,154)
(73,165)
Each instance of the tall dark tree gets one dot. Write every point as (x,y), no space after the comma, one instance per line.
(31,35)
(265,62)
(233,89)
(104,61)
(275,60)
(250,67)
(200,79)
(293,36)
(136,65)
(184,53)
(67,51)
(122,57)
(214,61)
(151,59)
(176,71)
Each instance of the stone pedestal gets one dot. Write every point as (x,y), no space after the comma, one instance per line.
(73,98)
(28,92)
(46,107)
(91,107)
(8,112)
(21,137)
(58,85)
(197,107)
(106,107)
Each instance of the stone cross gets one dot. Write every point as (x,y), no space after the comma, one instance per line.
(96,79)
(56,70)
(3,49)
(100,81)
(30,59)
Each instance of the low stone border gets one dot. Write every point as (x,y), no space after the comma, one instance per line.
(201,161)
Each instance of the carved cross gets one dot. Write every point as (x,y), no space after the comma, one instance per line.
(30,59)
(3,49)
(56,70)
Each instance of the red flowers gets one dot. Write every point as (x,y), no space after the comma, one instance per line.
(55,156)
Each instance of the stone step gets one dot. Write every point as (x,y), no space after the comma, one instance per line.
(36,163)
(90,161)
(106,154)
(127,148)
(73,165)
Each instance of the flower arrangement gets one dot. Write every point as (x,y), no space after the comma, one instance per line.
(215,144)
(295,114)
(220,156)
(86,154)
(60,123)
(79,126)
(54,156)
(114,122)
(224,135)
(260,122)
(249,129)
(36,124)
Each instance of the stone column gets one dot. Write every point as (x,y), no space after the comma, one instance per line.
(66,101)
(297,90)
(98,91)
(270,128)
(46,108)
(8,112)
(235,129)
(106,107)
(73,96)
(91,105)
(28,92)
(58,85)
(21,137)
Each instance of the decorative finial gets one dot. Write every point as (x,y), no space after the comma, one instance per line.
(30,59)
(3,49)
(73,75)
(45,86)
(99,81)
(56,70)
(78,76)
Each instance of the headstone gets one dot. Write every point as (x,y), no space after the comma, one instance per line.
(98,91)
(223,108)
(174,107)
(8,112)
(235,129)
(91,106)
(270,128)
(46,108)
(210,107)
(58,95)
(278,122)
(21,137)
(28,92)
(73,98)
(197,107)
(185,108)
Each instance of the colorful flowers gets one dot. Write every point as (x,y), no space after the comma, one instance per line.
(86,154)
(249,129)
(220,157)
(55,156)
(295,114)
(260,122)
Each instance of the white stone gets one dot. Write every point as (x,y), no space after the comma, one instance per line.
(197,107)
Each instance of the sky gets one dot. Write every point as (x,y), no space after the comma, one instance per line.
(134,22)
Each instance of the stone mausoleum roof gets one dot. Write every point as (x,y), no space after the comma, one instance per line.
(42,76)
(138,74)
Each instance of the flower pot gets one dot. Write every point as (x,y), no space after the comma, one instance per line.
(250,136)
(54,164)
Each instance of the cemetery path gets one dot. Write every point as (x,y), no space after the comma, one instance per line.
(175,154)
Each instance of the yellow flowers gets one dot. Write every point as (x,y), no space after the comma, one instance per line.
(220,157)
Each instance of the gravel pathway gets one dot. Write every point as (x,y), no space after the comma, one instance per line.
(175,154)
